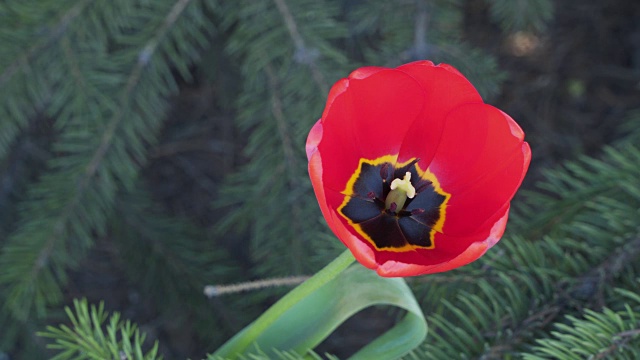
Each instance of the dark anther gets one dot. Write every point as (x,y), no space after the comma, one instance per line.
(422,185)
(417,211)
(384,171)
(399,172)
(393,207)
(371,195)
(415,161)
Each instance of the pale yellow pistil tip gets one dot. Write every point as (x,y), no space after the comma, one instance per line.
(404,185)
(401,189)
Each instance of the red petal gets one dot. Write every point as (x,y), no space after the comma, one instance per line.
(368,119)
(432,112)
(481,162)
(445,89)
(466,211)
(313,139)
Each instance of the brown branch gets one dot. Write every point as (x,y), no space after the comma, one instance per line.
(219,290)
(622,339)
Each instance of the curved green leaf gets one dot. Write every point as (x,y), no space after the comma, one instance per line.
(307,323)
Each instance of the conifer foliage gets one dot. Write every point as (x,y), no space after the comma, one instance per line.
(86,93)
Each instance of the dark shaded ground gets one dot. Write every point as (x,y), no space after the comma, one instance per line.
(569,88)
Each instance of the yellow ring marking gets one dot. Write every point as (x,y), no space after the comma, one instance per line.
(426,175)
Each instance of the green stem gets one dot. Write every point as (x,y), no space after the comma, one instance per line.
(239,343)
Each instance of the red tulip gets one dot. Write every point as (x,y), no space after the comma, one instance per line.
(413,171)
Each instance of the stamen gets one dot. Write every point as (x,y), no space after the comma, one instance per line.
(384,171)
(417,211)
(422,185)
(413,162)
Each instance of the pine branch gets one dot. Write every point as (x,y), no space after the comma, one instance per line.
(598,335)
(586,288)
(561,198)
(623,339)
(61,26)
(304,55)
(170,258)
(292,161)
(86,339)
(74,199)
(282,90)
(26,81)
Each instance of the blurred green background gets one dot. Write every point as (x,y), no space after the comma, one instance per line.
(150,148)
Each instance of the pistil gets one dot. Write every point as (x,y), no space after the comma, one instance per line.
(401,190)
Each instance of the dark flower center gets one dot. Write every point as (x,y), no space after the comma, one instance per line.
(394,206)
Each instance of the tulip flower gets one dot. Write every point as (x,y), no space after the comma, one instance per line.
(413,172)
